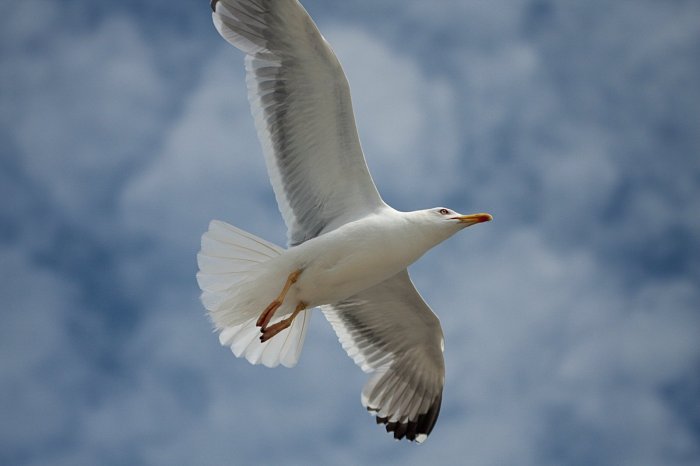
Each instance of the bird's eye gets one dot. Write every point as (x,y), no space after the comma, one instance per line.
(444,211)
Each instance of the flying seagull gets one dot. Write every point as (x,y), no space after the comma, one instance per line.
(347,249)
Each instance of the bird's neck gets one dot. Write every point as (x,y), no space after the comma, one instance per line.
(420,235)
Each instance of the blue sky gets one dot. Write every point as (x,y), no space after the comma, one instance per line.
(571,321)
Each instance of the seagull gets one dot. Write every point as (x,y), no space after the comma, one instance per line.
(347,250)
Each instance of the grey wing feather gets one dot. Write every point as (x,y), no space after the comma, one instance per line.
(390,331)
(303,113)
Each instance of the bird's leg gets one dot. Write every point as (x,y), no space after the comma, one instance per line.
(269,311)
(274,329)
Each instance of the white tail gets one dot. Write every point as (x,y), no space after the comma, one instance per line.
(236,288)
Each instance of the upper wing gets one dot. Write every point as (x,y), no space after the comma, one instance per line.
(389,330)
(301,104)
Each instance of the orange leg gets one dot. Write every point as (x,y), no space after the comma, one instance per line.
(274,329)
(269,311)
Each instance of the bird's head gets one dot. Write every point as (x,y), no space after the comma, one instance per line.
(446,222)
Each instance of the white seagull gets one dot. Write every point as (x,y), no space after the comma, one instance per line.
(348,250)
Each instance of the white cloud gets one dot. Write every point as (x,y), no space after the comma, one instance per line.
(90,102)
(210,164)
(39,365)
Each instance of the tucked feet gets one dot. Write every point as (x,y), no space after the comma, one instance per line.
(269,311)
(267,314)
(274,329)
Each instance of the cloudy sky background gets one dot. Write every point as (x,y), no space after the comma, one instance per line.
(571,321)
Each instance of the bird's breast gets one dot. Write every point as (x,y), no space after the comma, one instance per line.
(346,261)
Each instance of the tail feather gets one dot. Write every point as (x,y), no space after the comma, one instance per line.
(234,239)
(231,265)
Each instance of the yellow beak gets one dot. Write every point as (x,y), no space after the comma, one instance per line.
(474,218)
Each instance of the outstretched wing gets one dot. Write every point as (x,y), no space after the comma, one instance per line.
(388,330)
(301,103)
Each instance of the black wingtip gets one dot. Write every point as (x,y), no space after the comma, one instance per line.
(212,4)
(413,430)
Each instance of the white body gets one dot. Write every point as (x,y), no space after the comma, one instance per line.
(335,265)
(354,257)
